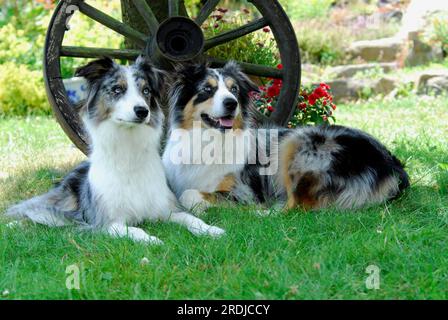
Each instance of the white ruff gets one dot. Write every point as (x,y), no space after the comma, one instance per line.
(126,174)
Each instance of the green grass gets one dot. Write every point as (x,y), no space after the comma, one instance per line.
(293,256)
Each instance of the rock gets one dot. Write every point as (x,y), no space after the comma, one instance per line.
(348,71)
(422,80)
(384,85)
(352,89)
(421,53)
(437,85)
(380,50)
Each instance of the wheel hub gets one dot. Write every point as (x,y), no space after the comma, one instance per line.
(177,39)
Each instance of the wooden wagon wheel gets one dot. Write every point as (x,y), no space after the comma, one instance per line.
(177,38)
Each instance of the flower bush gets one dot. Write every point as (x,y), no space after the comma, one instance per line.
(315,103)
(257,47)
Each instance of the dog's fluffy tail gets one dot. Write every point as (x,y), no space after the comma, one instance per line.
(42,209)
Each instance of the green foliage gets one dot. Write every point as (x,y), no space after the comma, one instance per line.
(437,32)
(23,34)
(321,43)
(257,47)
(21,51)
(21,91)
(306,9)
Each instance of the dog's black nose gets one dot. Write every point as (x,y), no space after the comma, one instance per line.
(230,104)
(141,112)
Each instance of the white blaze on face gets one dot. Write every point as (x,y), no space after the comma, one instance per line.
(220,96)
(124,107)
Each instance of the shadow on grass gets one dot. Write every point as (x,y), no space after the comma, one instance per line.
(28,184)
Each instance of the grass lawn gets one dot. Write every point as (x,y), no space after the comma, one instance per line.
(294,256)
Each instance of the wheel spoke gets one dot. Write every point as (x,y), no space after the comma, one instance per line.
(89,52)
(250,68)
(236,33)
(173,8)
(147,15)
(206,11)
(112,23)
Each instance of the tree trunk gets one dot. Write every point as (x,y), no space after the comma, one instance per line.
(132,18)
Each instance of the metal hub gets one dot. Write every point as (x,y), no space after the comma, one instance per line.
(177,39)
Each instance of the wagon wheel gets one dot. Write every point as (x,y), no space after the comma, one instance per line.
(175,39)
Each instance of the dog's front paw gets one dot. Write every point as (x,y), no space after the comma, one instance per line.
(139,235)
(203,229)
(155,241)
(194,200)
(215,232)
(135,234)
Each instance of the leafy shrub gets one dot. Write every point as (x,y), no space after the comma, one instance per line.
(308,9)
(21,91)
(437,32)
(322,42)
(257,47)
(23,35)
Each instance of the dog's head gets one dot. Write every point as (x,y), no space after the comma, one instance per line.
(126,95)
(215,98)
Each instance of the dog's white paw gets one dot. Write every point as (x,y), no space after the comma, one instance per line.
(139,235)
(155,241)
(206,230)
(193,199)
(15,224)
(215,232)
(135,234)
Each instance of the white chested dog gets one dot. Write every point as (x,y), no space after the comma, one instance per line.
(310,167)
(123,182)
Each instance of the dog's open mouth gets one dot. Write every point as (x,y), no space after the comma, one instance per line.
(218,123)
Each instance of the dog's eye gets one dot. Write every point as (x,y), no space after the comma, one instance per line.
(117,89)
(207,89)
(234,89)
(146,91)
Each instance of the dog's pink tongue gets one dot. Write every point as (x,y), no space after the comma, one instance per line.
(228,123)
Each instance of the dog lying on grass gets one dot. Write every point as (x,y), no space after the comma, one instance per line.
(309,167)
(123,182)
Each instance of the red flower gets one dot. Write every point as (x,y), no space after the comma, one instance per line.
(280,66)
(324,103)
(312,99)
(216,25)
(273,91)
(321,92)
(266,29)
(278,82)
(302,106)
(325,118)
(325,86)
(333,106)
(270,108)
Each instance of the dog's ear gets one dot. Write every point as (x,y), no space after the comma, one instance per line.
(244,81)
(189,72)
(95,70)
(156,77)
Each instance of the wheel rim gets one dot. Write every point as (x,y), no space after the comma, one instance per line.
(273,16)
